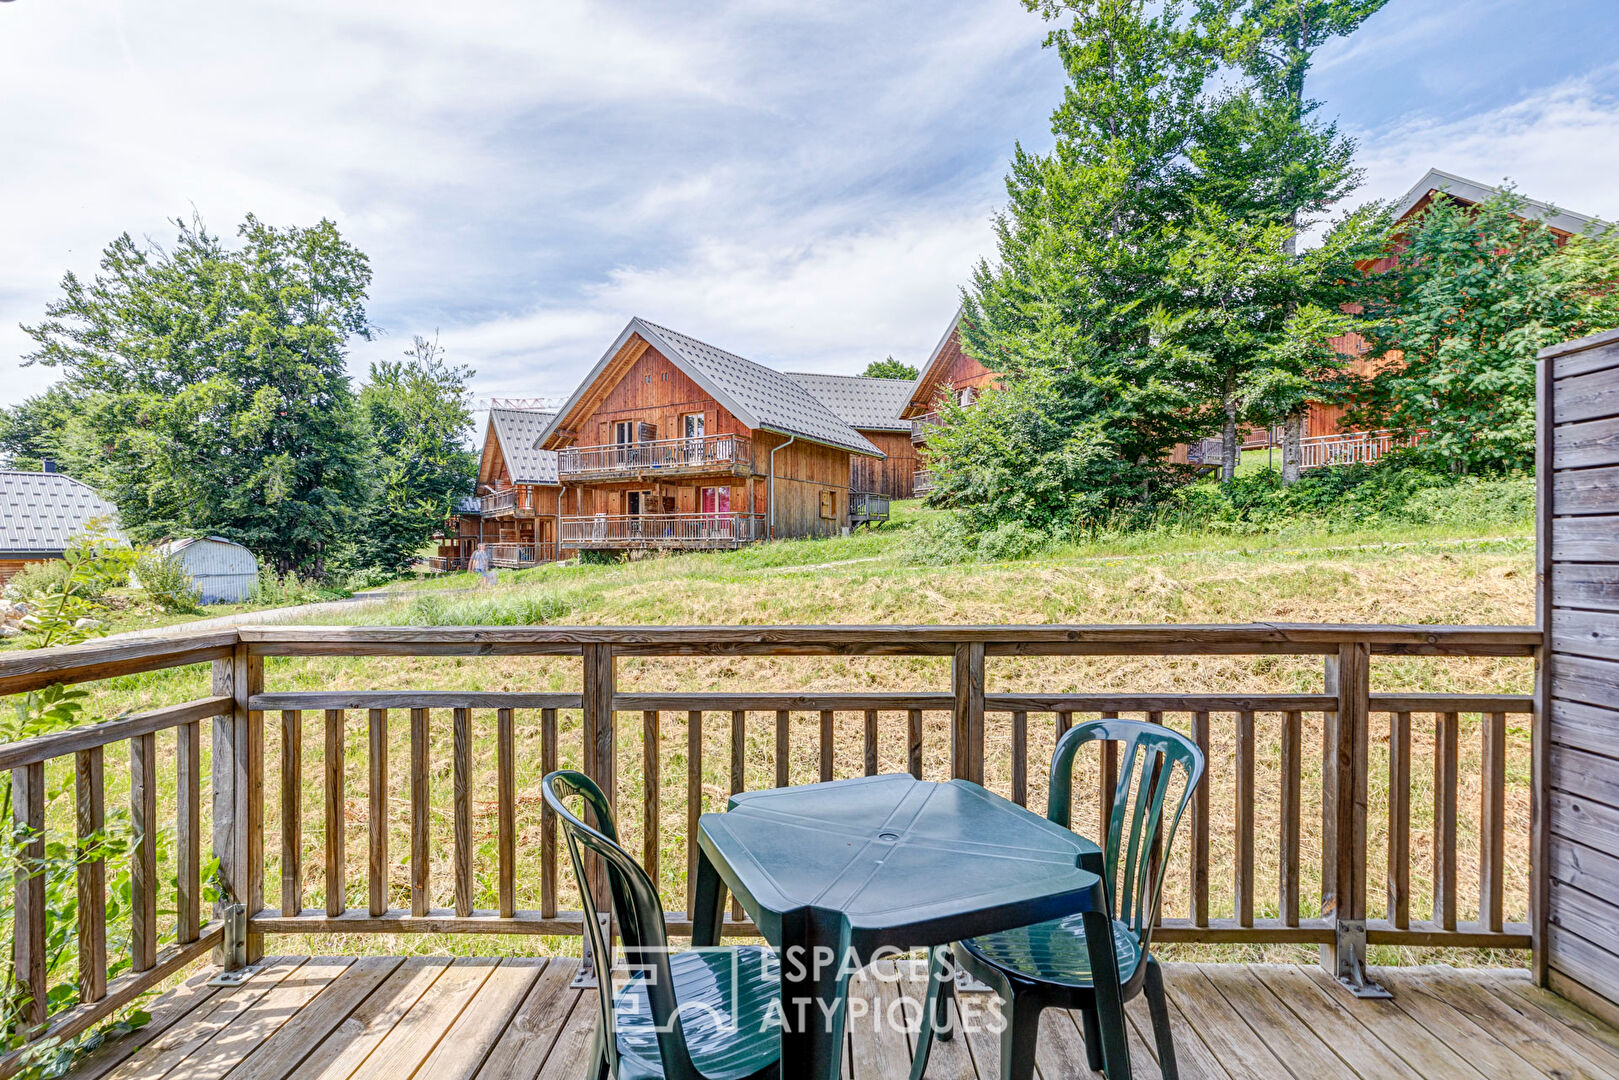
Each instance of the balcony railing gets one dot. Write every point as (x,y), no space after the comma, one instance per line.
(1247,873)
(446,563)
(672,531)
(922,483)
(517,556)
(1350,448)
(498,502)
(867,506)
(698,455)
(921,425)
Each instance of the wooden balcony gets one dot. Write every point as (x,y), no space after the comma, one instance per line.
(1268,836)
(866,507)
(521,556)
(1349,448)
(444,564)
(921,425)
(707,455)
(673,532)
(507,502)
(922,483)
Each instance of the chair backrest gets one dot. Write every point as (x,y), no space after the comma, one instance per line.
(1136,849)
(637,909)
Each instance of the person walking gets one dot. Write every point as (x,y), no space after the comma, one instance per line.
(482,566)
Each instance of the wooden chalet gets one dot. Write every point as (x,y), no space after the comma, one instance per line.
(872,407)
(41,513)
(671,443)
(516,501)
(950,372)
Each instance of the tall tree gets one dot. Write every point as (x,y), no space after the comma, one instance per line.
(417,412)
(889,368)
(214,398)
(1474,293)
(31,430)
(1083,255)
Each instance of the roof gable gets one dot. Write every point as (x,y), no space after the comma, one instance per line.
(759,397)
(42,512)
(862,402)
(517,434)
(1471,191)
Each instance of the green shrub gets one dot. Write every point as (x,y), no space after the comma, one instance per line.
(38,579)
(599,558)
(165,582)
(526,608)
(1012,540)
(949,538)
(289,589)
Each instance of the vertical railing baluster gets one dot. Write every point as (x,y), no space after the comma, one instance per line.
(826,745)
(913,742)
(548,819)
(1349,672)
(871,742)
(739,720)
(1200,828)
(1444,816)
(694,802)
(1399,885)
(783,746)
(421,859)
(1292,815)
(651,790)
(238,792)
(336,826)
(188,832)
(1245,819)
(967,728)
(292,812)
(506,814)
(143,856)
(377,812)
(1107,783)
(1492,822)
(1020,757)
(29,931)
(462,719)
(91,814)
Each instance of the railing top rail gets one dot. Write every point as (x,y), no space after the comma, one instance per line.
(31,670)
(679,440)
(658,517)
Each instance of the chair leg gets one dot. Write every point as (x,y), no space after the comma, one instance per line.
(946,980)
(1108,1001)
(1021,1036)
(935,1018)
(1093,1039)
(1158,1007)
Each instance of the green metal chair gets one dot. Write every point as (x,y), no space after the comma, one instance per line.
(700,1014)
(1047,965)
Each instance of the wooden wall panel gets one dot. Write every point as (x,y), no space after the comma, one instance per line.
(1577,737)
(654,391)
(893,475)
(951,369)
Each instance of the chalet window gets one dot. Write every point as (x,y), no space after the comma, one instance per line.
(624,432)
(966,397)
(692,425)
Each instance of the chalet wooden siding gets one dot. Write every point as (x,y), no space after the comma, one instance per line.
(1577,748)
(950,370)
(892,475)
(804,471)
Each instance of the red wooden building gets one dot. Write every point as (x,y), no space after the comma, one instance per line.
(950,372)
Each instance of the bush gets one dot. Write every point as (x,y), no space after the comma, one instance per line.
(526,608)
(166,582)
(1012,540)
(38,579)
(949,538)
(288,590)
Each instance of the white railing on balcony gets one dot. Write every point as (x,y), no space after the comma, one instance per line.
(662,530)
(922,483)
(1349,448)
(697,453)
(867,506)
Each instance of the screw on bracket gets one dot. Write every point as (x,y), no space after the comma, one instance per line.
(236,970)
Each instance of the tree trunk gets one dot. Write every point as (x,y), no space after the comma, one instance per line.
(1292,446)
(1228,442)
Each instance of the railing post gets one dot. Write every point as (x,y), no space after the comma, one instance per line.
(238,767)
(967,721)
(1349,680)
(600,748)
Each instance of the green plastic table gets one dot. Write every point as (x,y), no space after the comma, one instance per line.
(882,862)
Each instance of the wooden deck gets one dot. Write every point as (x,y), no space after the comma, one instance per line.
(443,1019)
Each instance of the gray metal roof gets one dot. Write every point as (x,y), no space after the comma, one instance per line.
(41,512)
(519,431)
(758,396)
(862,402)
(1471,191)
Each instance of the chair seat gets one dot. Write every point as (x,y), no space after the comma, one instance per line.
(729,1001)
(1055,951)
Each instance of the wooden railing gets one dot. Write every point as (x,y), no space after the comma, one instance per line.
(517,556)
(673,531)
(699,454)
(1350,448)
(922,482)
(497,501)
(446,563)
(921,425)
(867,506)
(992,736)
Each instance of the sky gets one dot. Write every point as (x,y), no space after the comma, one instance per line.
(806,184)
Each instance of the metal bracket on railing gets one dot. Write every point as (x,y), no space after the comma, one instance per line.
(236,970)
(1349,954)
(585,977)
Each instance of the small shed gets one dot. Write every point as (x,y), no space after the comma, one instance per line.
(41,513)
(223,571)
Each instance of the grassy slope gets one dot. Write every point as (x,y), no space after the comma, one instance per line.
(1404,576)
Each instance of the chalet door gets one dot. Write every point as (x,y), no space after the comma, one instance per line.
(717,509)
(624,442)
(692,430)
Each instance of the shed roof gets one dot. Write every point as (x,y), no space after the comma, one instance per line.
(41,512)
(862,402)
(519,431)
(1471,191)
(758,396)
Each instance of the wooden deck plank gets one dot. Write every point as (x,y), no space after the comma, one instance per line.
(1539,1039)
(1585,1030)
(1305,1054)
(200,1025)
(1427,1055)
(1478,1045)
(286,1050)
(416,1034)
(877,1048)
(168,1010)
(461,1052)
(1333,1023)
(1240,1052)
(347,1047)
(1059,1053)
(523,1046)
(1193,1059)
(949,1059)
(260,1021)
(978,1029)
(569,1058)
